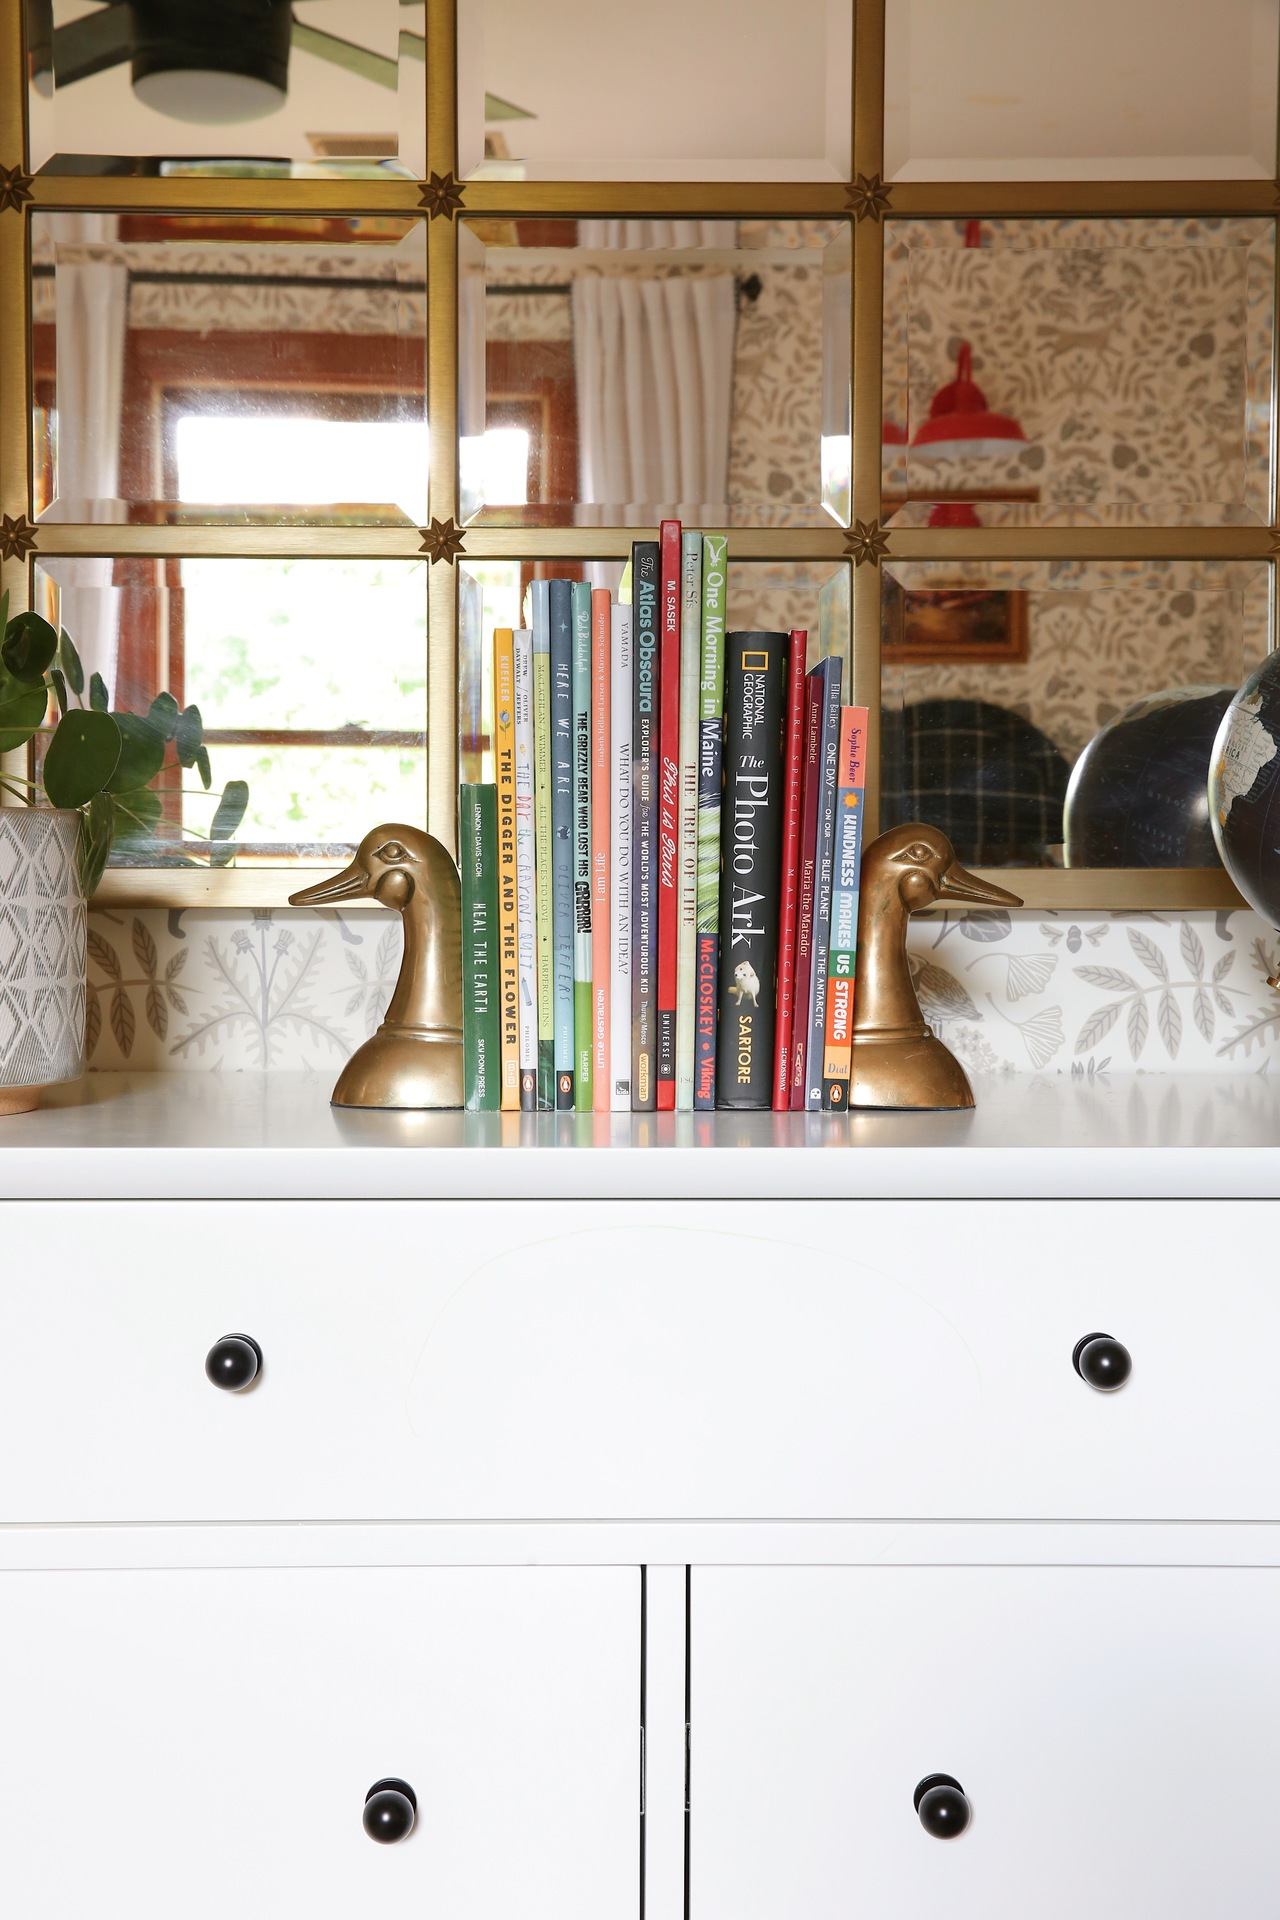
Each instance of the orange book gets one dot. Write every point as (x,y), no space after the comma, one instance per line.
(601,969)
(504,755)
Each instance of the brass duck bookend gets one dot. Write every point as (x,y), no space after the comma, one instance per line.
(897,1061)
(415,1057)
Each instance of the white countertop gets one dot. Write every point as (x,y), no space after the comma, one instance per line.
(265,1136)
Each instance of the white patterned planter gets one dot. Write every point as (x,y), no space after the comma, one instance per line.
(42,954)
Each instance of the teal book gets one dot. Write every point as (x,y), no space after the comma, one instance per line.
(561,619)
(482,1077)
(583,1025)
(715,578)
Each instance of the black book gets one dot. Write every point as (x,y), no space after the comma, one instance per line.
(644,826)
(755,696)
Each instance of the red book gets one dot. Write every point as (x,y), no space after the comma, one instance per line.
(601,788)
(668,809)
(808,868)
(792,791)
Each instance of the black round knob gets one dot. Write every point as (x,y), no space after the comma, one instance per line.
(234,1363)
(390,1809)
(1102,1362)
(941,1804)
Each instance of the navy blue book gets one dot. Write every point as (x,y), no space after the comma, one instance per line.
(644,827)
(561,609)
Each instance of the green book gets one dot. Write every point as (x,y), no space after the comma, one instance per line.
(482,1073)
(543,906)
(583,1037)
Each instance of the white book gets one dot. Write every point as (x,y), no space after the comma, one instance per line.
(687,872)
(526,918)
(621,694)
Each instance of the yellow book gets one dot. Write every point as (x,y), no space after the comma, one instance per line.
(504,755)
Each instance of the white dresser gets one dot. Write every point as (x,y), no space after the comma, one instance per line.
(642,1512)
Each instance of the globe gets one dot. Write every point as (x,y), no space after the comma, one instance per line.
(1137,795)
(1244,789)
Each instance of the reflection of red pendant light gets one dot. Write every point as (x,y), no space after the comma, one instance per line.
(960,424)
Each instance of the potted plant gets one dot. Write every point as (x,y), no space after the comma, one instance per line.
(96,794)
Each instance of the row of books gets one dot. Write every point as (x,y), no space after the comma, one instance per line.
(660,887)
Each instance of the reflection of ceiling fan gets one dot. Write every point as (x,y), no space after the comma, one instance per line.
(209,62)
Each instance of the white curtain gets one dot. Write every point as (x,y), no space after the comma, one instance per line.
(653,356)
(91,314)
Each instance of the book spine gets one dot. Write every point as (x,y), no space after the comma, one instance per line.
(504,753)
(623,692)
(583,1044)
(644,824)
(687,923)
(668,810)
(822,885)
(542,847)
(851,776)
(715,577)
(478,811)
(526,919)
(813,691)
(792,788)
(750,854)
(561,613)
(601,797)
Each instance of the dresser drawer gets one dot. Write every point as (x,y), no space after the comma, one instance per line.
(1115,1733)
(200,1743)
(523,1361)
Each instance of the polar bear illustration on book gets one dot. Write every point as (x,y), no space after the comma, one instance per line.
(746,983)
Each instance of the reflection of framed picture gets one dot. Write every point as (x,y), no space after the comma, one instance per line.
(951,624)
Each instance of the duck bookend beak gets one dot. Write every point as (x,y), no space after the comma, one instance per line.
(351,884)
(959,884)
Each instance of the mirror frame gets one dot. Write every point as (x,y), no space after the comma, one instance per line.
(863,200)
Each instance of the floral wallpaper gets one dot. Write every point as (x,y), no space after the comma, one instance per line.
(1102,995)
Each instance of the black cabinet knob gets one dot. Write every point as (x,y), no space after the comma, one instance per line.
(234,1363)
(1102,1362)
(941,1804)
(390,1809)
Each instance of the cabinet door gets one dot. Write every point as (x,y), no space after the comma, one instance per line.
(202,1743)
(1116,1734)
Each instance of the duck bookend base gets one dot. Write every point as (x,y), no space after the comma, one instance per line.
(897,1061)
(415,1057)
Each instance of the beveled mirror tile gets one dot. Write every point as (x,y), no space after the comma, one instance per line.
(240,369)
(751,91)
(615,370)
(1078,372)
(1099,90)
(998,675)
(276,88)
(310,676)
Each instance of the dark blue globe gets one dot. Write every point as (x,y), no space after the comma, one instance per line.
(1137,796)
(1244,789)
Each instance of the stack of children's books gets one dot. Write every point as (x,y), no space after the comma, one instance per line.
(660,888)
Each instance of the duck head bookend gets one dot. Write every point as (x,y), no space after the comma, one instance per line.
(415,1057)
(897,1060)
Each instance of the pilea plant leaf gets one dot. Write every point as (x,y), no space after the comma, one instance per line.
(21,715)
(69,661)
(29,646)
(203,768)
(99,698)
(164,714)
(189,736)
(97,823)
(82,757)
(137,814)
(227,817)
(59,680)
(142,749)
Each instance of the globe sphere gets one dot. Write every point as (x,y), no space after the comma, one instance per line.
(1137,795)
(1244,789)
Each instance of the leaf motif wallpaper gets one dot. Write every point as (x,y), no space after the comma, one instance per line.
(1108,995)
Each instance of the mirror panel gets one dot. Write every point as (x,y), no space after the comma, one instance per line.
(1062,713)
(1078,372)
(267,88)
(1099,90)
(245,370)
(310,676)
(770,595)
(725,90)
(612,371)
